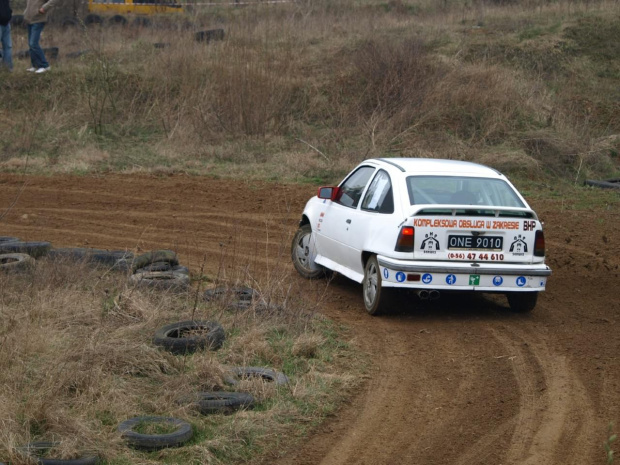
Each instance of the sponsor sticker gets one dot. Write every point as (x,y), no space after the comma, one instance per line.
(386,273)
(427,278)
(400,276)
(498,280)
(521,281)
(450,279)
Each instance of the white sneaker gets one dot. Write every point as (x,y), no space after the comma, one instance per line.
(43,70)
(31,70)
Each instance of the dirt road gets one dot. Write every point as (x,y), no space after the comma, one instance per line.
(459,381)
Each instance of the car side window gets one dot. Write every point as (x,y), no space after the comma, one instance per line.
(379,197)
(351,190)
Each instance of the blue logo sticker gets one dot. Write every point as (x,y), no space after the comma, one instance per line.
(386,273)
(450,279)
(400,276)
(521,281)
(498,280)
(427,278)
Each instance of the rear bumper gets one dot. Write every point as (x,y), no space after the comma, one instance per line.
(494,277)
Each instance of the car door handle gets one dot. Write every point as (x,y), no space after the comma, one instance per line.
(348,221)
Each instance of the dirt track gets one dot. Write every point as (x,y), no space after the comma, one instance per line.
(459,381)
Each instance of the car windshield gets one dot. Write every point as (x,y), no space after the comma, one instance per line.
(458,190)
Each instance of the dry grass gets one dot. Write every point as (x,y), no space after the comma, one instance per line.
(305,90)
(76,359)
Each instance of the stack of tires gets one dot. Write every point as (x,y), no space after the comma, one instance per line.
(159,269)
(17,255)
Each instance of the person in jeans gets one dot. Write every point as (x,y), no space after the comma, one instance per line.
(36,17)
(5,34)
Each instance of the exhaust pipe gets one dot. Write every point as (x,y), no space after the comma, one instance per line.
(434,294)
(423,294)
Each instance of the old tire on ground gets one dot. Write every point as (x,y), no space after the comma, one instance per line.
(240,293)
(92,19)
(376,297)
(178,437)
(522,302)
(266,374)
(117,20)
(163,280)
(608,184)
(69,22)
(34,450)
(34,249)
(117,259)
(141,21)
(209,403)
(15,262)
(163,266)
(18,21)
(154,256)
(303,253)
(186,337)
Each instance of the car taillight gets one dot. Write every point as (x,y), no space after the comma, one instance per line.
(404,242)
(539,244)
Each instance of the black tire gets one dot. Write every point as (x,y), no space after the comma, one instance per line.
(117,20)
(178,339)
(18,21)
(92,19)
(266,374)
(180,436)
(210,35)
(8,239)
(522,302)
(161,280)
(69,22)
(117,259)
(209,403)
(34,249)
(157,266)
(77,54)
(610,184)
(36,449)
(15,262)
(240,293)
(154,256)
(51,52)
(142,21)
(376,297)
(303,252)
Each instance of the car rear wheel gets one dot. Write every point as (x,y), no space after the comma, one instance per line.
(522,302)
(303,253)
(376,298)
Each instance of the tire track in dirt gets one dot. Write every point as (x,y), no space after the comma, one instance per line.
(555,414)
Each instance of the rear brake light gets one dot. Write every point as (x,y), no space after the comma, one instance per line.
(404,243)
(539,244)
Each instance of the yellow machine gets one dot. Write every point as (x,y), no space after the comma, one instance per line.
(140,7)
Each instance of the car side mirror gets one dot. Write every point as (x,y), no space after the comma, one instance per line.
(329,193)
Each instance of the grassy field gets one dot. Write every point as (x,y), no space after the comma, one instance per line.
(77,359)
(303,91)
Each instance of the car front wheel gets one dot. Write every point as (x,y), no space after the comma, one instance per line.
(522,302)
(376,298)
(303,253)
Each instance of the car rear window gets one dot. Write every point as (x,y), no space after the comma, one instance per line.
(458,190)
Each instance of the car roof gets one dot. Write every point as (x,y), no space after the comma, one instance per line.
(435,166)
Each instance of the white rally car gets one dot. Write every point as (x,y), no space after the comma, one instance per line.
(428,225)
